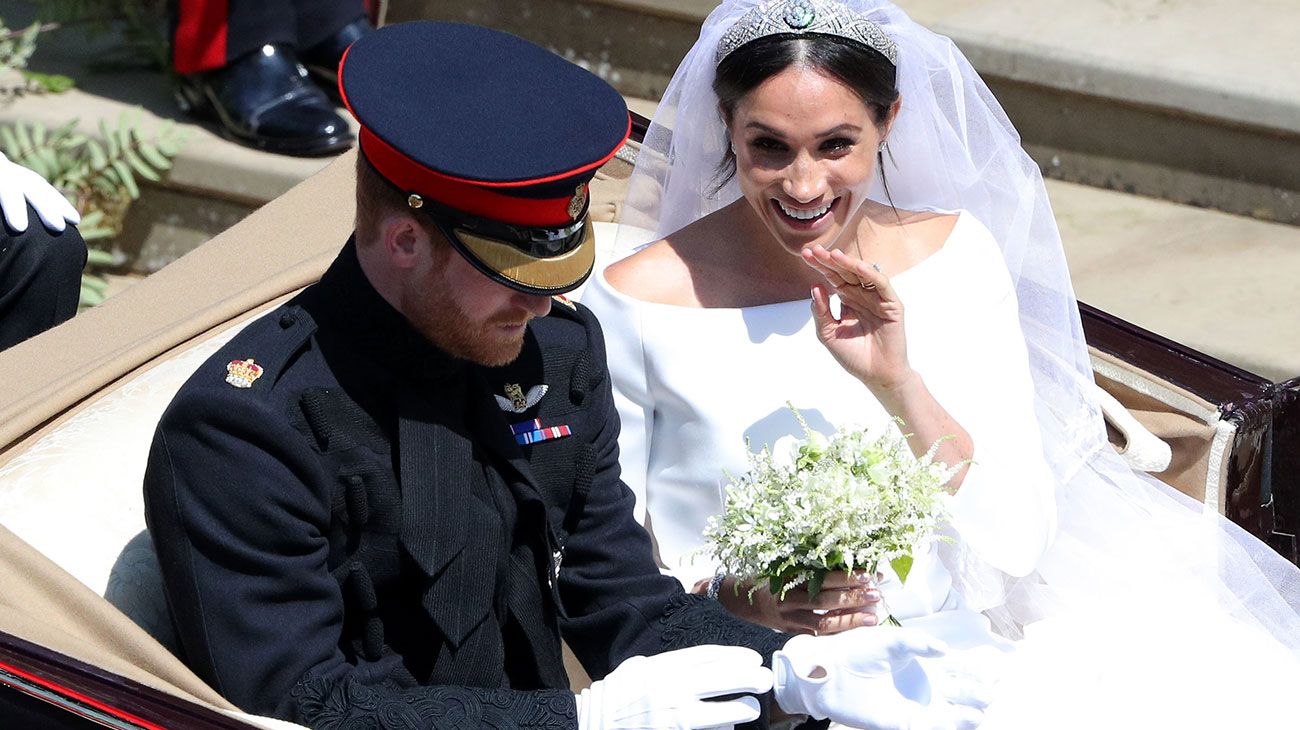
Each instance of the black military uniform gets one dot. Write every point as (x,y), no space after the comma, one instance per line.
(357,529)
(40,279)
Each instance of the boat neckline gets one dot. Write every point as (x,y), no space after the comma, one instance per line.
(961,216)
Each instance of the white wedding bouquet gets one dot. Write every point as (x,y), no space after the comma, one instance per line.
(808,507)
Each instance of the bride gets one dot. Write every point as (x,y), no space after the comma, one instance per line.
(842,218)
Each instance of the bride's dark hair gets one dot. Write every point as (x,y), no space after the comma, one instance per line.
(865,70)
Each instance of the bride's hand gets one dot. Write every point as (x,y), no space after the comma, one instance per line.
(867,340)
(849,600)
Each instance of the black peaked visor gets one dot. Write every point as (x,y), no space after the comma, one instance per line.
(542,261)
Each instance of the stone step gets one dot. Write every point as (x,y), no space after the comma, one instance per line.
(1194,102)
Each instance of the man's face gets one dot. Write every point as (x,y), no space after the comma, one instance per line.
(466,313)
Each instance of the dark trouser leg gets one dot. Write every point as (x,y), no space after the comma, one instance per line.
(40,279)
(209,34)
(320,19)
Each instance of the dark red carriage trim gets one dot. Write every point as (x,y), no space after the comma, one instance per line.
(115,695)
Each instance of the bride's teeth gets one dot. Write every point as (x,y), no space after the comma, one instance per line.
(803,215)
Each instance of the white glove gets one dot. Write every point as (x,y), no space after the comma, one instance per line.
(666,691)
(869,678)
(20,186)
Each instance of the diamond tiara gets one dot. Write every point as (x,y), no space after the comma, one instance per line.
(778,17)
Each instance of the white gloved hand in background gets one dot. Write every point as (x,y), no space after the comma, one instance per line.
(20,186)
(870,678)
(667,691)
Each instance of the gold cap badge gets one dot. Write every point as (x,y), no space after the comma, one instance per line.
(579,201)
(242,373)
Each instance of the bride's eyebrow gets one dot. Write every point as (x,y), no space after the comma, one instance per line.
(846,127)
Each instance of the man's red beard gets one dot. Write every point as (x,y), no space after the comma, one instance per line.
(443,323)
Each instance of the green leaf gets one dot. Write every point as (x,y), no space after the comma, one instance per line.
(815,583)
(98,158)
(141,167)
(24,138)
(151,154)
(91,233)
(52,83)
(10,141)
(90,297)
(902,565)
(109,139)
(99,257)
(127,179)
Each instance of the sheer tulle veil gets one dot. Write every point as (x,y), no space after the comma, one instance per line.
(1126,545)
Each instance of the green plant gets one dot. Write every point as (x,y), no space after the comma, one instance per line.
(16,49)
(141,23)
(99,174)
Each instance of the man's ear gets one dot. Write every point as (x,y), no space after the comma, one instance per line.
(405,241)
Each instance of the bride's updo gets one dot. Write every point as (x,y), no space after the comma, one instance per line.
(864,70)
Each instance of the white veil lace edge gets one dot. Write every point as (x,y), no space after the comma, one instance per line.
(1119,533)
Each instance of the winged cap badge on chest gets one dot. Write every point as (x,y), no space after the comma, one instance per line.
(516,401)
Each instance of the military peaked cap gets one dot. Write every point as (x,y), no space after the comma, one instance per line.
(494,137)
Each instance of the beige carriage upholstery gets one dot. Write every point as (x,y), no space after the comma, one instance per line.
(1200,440)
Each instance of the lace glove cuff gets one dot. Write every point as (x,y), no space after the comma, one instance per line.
(691,619)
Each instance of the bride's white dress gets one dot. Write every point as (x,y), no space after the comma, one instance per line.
(698,388)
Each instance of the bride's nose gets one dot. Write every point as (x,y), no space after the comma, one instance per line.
(804,181)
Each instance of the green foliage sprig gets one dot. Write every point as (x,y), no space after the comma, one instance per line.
(16,49)
(101,175)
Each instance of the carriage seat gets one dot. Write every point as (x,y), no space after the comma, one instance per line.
(76,494)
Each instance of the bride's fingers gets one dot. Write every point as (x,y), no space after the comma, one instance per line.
(817,258)
(821,306)
(869,275)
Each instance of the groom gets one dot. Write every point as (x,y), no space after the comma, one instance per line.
(386,502)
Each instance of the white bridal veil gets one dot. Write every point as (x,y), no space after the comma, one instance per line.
(1129,549)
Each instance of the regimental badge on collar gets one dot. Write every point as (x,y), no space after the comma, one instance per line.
(242,373)
(565,301)
(578,202)
(515,401)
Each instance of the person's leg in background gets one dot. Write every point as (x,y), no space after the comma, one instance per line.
(239,61)
(325,30)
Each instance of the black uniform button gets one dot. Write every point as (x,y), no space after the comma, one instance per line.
(287,320)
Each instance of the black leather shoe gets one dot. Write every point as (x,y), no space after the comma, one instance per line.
(265,100)
(322,59)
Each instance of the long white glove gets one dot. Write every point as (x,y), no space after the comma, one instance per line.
(20,186)
(870,678)
(666,691)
